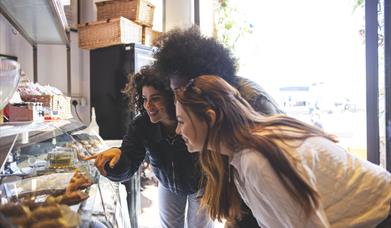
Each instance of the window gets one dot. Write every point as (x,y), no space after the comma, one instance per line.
(309,55)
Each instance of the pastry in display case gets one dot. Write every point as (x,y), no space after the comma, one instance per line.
(61,158)
(42,170)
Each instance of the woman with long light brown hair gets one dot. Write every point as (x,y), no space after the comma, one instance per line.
(289,173)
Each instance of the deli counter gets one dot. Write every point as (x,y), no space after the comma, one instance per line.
(45,180)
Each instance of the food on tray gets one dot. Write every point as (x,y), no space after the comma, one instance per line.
(10,210)
(31,204)
(23,221)
(52,184)
(54,211)
(50,223)
(69,199)
(73,194)
(50,212)
(72,198)
(91,143)
(54,215)
(77,182)
(60,161)
(61,158)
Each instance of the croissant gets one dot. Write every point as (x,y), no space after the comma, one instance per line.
(21,221)
(46,212)
(78,181)
(31,204)
(12,210)
(49,223)
(72,198)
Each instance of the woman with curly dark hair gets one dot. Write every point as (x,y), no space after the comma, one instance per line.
(152,132)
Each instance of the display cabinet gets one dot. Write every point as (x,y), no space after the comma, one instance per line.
(39,160)
(40,22)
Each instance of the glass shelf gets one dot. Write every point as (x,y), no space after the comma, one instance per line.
(23,135)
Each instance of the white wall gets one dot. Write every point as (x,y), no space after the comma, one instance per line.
(80,67)
(52,66)
(12,43)
(179,13)
(207,15)
(51,62)
(51,59)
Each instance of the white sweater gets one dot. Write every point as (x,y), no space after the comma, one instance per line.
(353,192)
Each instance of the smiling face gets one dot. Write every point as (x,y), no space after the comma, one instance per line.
(192,129)
(155,104)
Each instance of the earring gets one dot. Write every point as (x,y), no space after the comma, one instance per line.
(229,173)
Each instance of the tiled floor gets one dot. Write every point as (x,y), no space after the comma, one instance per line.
(149,217)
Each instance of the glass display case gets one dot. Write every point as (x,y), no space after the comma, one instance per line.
(45,160)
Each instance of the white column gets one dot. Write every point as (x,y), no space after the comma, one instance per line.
(179,13)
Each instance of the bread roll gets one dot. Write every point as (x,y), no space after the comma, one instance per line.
(12,210)
(73,198)
(49,223)
(50,212)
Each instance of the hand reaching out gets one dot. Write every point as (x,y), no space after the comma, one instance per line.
(111,155)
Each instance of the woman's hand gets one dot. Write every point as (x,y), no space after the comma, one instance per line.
(111,155)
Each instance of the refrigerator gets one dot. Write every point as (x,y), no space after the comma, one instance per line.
(109,71)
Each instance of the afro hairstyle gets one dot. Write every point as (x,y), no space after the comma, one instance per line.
(186,54)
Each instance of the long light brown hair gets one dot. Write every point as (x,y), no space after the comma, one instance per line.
(238,126)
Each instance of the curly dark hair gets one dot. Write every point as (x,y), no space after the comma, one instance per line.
(186,54)
(148,76)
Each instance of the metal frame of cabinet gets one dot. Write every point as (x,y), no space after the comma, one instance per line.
(39,22)
(33,140)
(11,135)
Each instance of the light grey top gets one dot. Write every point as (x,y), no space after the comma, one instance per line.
(353,192)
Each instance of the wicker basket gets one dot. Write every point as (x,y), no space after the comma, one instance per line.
(150,36)
(108,33)
(140,11)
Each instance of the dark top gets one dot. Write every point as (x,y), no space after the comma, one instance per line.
(173,165)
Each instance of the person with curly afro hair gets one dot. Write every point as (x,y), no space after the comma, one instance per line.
(185,54)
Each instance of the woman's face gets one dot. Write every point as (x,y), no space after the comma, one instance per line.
(155,104)
(192,130)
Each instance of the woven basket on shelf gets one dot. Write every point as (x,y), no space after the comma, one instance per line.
(150,36)
(108,33)
(140,11)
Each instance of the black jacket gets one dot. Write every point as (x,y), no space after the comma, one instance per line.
(173,165)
